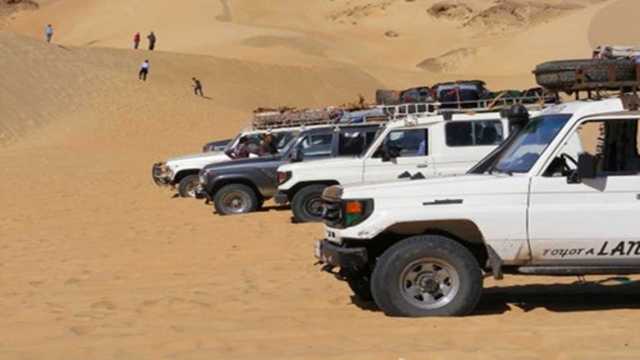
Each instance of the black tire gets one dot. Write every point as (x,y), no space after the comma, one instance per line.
(561,75)
(187,186)
(402,271)
(305,203)
(360,285)
(235,199)
(387,97)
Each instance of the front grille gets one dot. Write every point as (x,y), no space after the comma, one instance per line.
(332,213)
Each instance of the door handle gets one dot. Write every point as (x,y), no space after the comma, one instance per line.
(424,166)
(638,197)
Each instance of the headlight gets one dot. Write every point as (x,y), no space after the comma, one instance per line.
(283,177)
(356,211)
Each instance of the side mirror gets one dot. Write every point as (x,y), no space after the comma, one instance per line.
(587,166)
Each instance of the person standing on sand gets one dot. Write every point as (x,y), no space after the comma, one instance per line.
(48,33)
(152,41)
(144,71)
(136,40)
(197,87)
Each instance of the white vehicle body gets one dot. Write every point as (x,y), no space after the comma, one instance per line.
(562,197)
(441,158)
(527,218)
(172,170)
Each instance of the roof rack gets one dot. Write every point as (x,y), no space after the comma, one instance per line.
(495,104)
(267,119)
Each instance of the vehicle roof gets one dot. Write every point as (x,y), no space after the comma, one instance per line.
(325,129)
(412,120)
(582,108)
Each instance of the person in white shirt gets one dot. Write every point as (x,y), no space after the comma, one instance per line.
(48,33)
(144,71)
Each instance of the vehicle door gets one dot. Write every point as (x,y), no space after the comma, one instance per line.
(465,143)
(589,221)
(403,153)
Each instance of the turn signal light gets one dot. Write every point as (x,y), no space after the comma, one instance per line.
(353,207)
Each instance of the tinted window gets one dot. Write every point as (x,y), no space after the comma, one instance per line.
(474,133)
(355,142)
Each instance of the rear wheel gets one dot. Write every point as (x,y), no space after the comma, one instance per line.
(427,276)
(307,204)
(187,186)
(235,199)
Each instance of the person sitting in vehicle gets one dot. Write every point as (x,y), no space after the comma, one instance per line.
(268,145)
(242,150)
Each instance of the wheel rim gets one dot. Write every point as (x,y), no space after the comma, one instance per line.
(236,202)
(313,206)
(429,283)
(191,188)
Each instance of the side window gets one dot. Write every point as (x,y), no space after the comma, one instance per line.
(282,139)
(406,143)
(317,145)
(474,133)
(616,144)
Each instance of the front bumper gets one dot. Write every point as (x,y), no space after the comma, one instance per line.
(281,198)
(346,258)
(160,175)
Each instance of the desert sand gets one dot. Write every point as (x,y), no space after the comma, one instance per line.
(98,263)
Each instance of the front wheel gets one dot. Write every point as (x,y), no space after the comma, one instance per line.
(307,204)
(427,276)
(187,186)
(235,199)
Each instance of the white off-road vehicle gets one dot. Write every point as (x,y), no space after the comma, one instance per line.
(416,147)
(561,197)
(182,172)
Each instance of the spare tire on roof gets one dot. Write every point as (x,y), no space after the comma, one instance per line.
(387,97)
(569,75)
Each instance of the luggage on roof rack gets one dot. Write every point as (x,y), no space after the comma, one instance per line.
(265,118)
(571,76)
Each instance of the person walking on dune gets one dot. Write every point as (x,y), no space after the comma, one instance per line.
(197,87)
(144,71)
(136,40)
(152,41)
(48,33)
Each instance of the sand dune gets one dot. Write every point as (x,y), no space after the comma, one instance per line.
(60,83)
(97,263)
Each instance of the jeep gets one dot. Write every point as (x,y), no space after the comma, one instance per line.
(242,186)
(562,197)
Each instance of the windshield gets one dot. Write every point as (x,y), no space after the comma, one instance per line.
(232,143)
(529,144)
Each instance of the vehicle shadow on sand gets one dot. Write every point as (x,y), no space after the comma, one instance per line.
(609,294)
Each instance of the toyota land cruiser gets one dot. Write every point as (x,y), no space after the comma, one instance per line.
(562,198)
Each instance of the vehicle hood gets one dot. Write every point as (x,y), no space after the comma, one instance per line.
(195,156)
(438,187)
(237,163)
(196,161)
